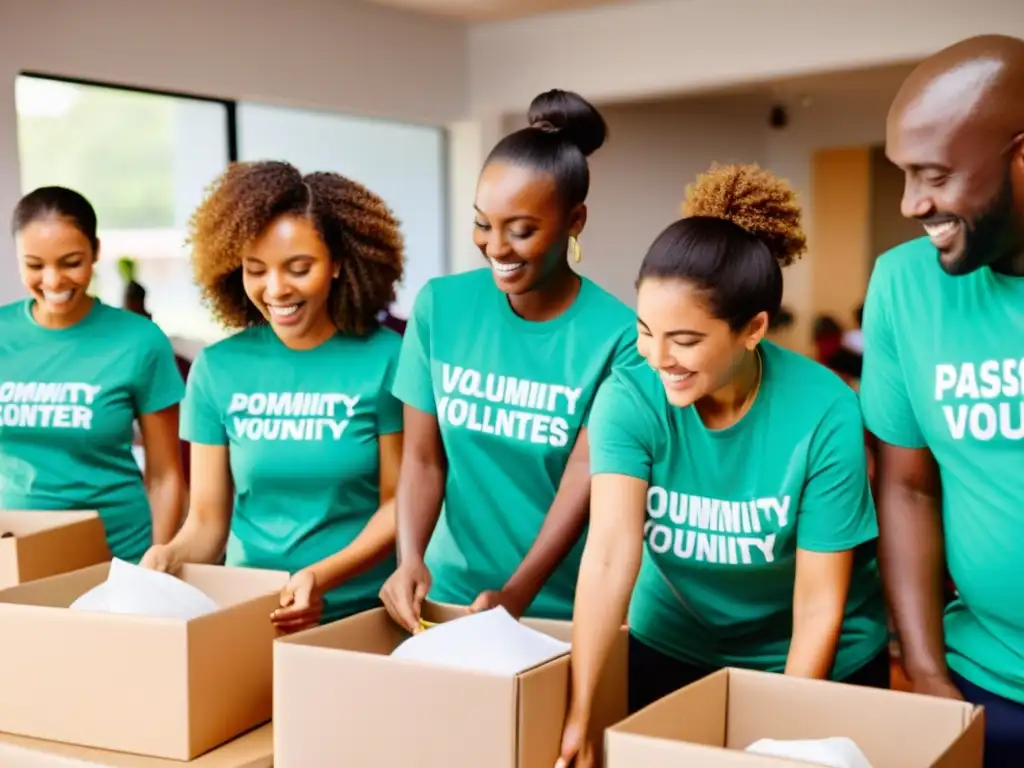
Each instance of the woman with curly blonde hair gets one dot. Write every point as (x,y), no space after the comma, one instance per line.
(296,439)
(730,505)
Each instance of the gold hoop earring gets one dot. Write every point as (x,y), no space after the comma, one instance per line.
(576,248)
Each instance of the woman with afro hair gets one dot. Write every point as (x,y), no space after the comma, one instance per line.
(730,503)
(296,439)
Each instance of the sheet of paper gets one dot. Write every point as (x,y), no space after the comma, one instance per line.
(491,641)
(131,589)
(837,752)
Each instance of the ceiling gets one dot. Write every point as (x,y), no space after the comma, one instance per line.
(490,10)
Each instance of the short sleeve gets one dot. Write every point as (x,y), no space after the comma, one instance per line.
(413,383)
(620,432)
(623,357)
(202,421)
(158,381)
(836,510)
(884,400)
(389,407)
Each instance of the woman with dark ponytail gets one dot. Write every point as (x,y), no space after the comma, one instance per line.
(497,373)
(731,511)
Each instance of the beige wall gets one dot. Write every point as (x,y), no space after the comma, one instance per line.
(652,48)
(333,54)
(655,149)
(888,226)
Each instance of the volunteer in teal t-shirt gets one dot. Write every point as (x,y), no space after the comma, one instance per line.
(498,370)
(75,375)
(295,435)
(943,385)
(730,493)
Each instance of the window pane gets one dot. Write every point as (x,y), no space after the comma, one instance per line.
(402,163)
(143,161)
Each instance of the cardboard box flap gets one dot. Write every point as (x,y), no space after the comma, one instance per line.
(225,586)
(695,714)
(58,591)
(27,523)
(968,747)
(540,723)
(774,706)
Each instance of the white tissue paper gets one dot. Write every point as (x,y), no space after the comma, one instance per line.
(138,591)
(837,752)
(490,641)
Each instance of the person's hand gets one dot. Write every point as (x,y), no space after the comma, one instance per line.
(577,751)
(160,557)
(492,598)
(403,594)
(936,685)
(302,603)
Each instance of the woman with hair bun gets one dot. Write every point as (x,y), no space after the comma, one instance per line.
(731,510)
(497,373)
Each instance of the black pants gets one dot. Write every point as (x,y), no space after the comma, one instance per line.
(653,675)
(1004,725)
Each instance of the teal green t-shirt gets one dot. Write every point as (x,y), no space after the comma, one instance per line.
(944,370)
(727,510)
(68,400)
(510,396)
(302,430)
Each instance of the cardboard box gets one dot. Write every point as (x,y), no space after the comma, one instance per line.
(48,543)
(711,722)
(251,750)
(340,698)
(156,687)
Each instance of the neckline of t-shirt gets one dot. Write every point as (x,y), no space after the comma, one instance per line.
(728,433)
(76,327)
(545,326)
(1012,283)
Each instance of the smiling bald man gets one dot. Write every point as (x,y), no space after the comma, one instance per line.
(943,383)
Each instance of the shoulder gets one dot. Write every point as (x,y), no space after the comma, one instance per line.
(245,344)
(458,283)
(14,313)
(143,330)
(806,384)
(914,259)
(635,386)
(383,343)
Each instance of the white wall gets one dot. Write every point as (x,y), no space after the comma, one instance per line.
(654,150)
(660,47)
(331,54)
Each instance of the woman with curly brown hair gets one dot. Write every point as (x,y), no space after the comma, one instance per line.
(730,505)
(296,439)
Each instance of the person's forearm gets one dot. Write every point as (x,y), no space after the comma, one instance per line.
(371,547)
(911,559)
(166,499)
(558,535)
(199,540)
(812,650)
(418,506)
(603,590)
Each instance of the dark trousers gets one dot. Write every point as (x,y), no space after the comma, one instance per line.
(653,675)
(1004,725)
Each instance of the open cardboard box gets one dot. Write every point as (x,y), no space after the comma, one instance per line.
(254,749)
(150,686)
(46,543)
(340,698)
(711,722)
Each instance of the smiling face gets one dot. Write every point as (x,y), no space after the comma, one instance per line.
(56,262)
(695,353)
(520,226)
(961,171)
(288,274)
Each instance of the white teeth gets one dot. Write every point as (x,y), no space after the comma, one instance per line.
(506,269)
(938,230)
(57,298)
(675,377)
(284,311)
